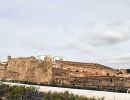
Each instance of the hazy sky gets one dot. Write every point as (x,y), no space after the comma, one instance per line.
(79,30)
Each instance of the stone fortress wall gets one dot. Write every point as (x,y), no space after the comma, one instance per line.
(51,71)
(2,70)
(29,69)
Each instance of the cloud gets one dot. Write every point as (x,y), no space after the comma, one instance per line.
(33,43)
(77,48)
(64,49)
(106,34)
(121,60)
(108,38)
(125,58)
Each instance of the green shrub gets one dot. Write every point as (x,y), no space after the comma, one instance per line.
(16,92)
(26,93)
(67,96)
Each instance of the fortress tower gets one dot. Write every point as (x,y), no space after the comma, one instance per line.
(48,63)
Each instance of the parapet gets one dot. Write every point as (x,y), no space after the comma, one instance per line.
(9,57)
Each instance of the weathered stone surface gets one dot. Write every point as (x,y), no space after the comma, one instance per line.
(2,70)
(86,69)
(29,69)
(62,72)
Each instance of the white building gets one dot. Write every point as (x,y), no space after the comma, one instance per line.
(59,58)
(40,57)
(3,61)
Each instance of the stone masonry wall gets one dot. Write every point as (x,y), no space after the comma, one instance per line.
(2,70)
(29,69)
(62,72)
(86,69)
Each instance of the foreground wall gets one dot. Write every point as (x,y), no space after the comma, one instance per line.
(87,93)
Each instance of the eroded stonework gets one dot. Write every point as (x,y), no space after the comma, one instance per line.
(52,71)
(29,69)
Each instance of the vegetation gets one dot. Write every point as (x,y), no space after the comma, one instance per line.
(28,93)
(16,92)
(67,96)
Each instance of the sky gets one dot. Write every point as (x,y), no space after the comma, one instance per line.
(79,30)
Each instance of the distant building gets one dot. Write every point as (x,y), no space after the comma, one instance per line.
(3,61)
(59,58)
(40,57)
